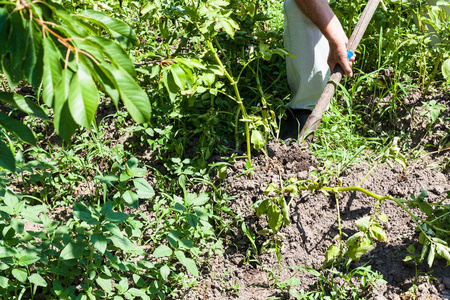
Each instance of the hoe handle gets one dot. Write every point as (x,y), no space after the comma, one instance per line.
(322,104)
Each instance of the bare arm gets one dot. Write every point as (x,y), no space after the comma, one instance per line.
(320,13)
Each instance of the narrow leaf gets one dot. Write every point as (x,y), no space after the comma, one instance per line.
(64,123)
(83,97)
(17,128)
(24,104)
(7,160)
(133,96)
(118,29)
(52,71)
(114,53)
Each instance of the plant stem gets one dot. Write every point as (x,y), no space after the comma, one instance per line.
(238,96)
(341,246)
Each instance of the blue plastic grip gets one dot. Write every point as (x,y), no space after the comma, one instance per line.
(349,54)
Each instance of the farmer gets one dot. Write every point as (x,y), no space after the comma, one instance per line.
(314,36)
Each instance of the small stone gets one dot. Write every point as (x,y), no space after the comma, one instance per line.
(302,175)
(446,282)
(379,297)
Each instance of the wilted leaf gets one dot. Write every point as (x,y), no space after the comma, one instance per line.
(332,253)
(363,223)
(257,140)
(378,233)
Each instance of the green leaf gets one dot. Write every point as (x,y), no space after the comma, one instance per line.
(71,251)
(10,199)
(115,53)
(446,69)
(275,217)
(20,275)
(332,253)
(354,239)
(4,282)
(52,71)
(138,293)
(162,251)
(169,83)
(104,282)
(64,123)
(99,242)
(118,29)
(431,254)
(425,248)
(116,217)
(37,280)
(133,96)
(284,210)
(165,272)
(201,199)
(7,160)
(28,259)
(17,44)
(443,251)
(6,251)
(131,198)
(178,75)
(83,97)
(144,189)
(262,208)
(189,263)
(192,220)
(123,243)
(18,129)
(24,104)
(363,223)
(113,229)
(359,249)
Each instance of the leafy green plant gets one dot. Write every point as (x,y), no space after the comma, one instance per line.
(65,54)
(354,284)
(224,29)
(370,229)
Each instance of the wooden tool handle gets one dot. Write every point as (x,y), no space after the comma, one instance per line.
(322,104)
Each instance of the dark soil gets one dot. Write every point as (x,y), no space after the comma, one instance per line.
(314,225)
